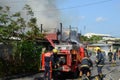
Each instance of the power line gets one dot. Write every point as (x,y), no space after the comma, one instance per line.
(78,6)
(84,5)
(89,4)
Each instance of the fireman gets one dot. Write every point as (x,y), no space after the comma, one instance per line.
(55,58)
(85,66)
(54,63)
(48,59)
(99,63)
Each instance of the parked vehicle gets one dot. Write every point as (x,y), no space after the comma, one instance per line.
(70,54)
(68,60)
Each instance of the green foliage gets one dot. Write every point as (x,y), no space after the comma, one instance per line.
(29,10)
(26,58)
(93,39)
(9,24)
(15,23)
(17,14)
(83,38)
(1,8)
(30,56)
(25,55)
(1,68)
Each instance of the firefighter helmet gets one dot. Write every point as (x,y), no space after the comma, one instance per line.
(55,50)
(97,49)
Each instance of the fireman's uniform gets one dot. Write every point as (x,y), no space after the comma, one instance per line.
(99,62)
(55,58)
(48,59)
(54,63)
(86,63)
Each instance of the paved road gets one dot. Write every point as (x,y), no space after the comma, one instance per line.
(112,73)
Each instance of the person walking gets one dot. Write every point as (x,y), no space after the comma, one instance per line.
(110,54)
(99,63)
(48,59)
(118,54)
(114,57)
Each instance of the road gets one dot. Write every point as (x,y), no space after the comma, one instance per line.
(110,72)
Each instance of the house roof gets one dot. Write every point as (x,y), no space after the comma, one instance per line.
(99,44)
(52,36)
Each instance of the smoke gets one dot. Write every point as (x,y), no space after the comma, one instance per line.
(45,11)
(71,35)
(15,5)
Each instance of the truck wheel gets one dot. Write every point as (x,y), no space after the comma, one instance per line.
(76,74)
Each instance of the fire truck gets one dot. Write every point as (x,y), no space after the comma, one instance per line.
(69,57)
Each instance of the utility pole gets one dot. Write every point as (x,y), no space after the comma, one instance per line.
(70,33)
(61,32)
(41,28)
(84,29)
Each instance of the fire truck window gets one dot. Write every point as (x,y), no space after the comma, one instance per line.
(62,60)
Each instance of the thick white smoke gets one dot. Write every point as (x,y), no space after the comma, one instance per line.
(45,11)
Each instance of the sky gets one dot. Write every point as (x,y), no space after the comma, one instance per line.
(92,16)
(89,16)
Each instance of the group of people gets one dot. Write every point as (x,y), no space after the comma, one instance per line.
(112,56)
(84,68)
(87,64)
(50,56)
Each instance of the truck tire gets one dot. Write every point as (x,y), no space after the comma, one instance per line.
(76,74)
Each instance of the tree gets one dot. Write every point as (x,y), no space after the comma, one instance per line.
(93,39)
(16,25)
(84,38)
(24,50)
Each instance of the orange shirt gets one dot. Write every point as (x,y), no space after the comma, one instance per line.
(48,54)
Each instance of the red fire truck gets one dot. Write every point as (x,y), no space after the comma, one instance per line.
(68,58)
